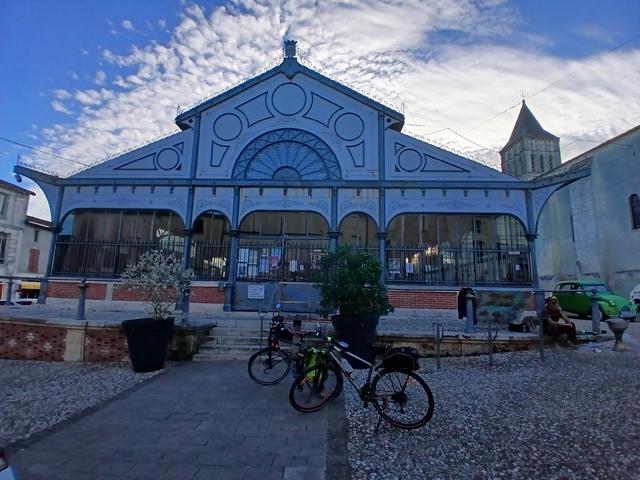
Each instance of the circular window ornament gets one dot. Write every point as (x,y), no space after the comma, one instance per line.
(168,159)
(289,99)
(227,126)
(349,126)
(409,160)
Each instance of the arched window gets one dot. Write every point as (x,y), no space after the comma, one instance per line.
(281,245)
(210,246)
(457,249)
(360,231)
(634,207)
(104,242)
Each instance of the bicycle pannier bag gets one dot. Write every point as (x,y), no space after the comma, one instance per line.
(402,358)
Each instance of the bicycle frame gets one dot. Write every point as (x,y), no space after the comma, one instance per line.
(337,354)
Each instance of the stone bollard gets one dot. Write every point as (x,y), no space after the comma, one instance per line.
(82,298)
(9,292)
(471,321)
(185,306)
(595,313)
(618,326)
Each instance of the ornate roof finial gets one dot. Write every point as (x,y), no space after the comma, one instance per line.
(290,48)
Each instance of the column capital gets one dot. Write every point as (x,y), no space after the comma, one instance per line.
(382,235)
(234,232)
(334,234)
(187,231)
(531,236)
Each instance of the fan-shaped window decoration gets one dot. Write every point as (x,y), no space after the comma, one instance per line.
(287,154)
(634,207)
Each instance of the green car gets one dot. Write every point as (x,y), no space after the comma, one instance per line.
(575,296)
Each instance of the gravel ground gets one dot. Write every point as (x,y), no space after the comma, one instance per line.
(576,415)
(35,395)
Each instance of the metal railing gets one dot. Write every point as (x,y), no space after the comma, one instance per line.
(437,266)
(279,260)
(105,258)
(209,260)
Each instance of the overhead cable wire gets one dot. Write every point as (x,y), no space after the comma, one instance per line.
(43,151)
(572,72)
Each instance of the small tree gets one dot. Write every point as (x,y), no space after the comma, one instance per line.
(349,281)
(158,277)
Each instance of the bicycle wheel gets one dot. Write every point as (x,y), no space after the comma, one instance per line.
(402,398)
(315,388)
(269,366)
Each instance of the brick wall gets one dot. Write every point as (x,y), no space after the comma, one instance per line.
(206,295)
(95,291)
(423,299)
(120,293)
(32,342)
(105,345)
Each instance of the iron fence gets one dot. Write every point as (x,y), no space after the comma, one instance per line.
(280,260)
(209,260)
(437,266)
(105,258)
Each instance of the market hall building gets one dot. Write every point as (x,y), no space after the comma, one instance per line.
(267,176)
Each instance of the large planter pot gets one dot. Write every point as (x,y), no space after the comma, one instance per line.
(148,340)
(359,333)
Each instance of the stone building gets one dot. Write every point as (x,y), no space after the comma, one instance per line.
(24,242)
(265,177)
(591,229)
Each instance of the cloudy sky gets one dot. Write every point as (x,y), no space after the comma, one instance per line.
(84,79)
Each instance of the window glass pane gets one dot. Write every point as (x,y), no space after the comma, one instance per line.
(271,223)
(358,230)
(211,227)
(484,231)
(634,204)
(316,225)
(81,225)
(465,235)
(428,230)
(446,231)
(403,229)
(250,224)
(143,226)
(295,223)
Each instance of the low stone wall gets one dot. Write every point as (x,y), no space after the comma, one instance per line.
(32,340)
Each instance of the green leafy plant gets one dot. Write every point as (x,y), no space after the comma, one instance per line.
(350,282)
(158,277)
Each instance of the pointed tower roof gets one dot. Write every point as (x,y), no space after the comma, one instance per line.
(527,126)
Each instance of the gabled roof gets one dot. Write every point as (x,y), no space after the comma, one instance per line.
(527,126)
(290,67)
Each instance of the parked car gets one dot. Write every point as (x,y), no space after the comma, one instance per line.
(575,296)
(6,472)
(634,296)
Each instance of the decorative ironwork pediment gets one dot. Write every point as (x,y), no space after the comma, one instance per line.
(287,153)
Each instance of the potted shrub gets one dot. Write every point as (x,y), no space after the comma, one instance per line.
(351,287)
(158,278)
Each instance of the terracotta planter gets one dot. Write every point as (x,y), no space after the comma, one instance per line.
(360,333)
(148,340)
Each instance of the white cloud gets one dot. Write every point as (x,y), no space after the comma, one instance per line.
(127,25)
(400,50)
(61,94)
(595,32)
(100,77)
(162,23)
(58,106)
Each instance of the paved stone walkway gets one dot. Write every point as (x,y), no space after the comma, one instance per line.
(195,421)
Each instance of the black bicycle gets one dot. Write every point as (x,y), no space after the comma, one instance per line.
(397,392)
(272,363)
